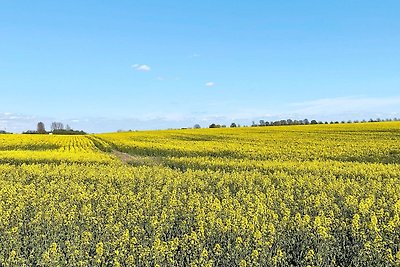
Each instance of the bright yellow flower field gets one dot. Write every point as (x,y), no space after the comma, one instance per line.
(323,195)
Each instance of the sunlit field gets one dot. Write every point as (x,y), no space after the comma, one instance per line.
(323,195)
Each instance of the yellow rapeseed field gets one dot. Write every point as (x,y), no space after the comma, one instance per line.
(323,195)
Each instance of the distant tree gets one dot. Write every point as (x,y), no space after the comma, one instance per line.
(306,122)
(197,126)
(213,125)
(57,126)
(40,128)
(233,125)
(223,126)
(314,122)
(262,123)
(30,132)
(68,128)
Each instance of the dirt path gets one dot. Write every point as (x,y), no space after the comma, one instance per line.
(136,160)
(124,157)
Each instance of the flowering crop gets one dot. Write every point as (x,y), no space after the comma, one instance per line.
(266,196)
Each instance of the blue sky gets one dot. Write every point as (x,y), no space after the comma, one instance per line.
(109,65)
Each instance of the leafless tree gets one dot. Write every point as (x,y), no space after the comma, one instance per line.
(56,126)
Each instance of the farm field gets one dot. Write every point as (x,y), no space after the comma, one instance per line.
(323,195)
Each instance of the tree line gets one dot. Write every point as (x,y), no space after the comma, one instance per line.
(294,122)
(56,128)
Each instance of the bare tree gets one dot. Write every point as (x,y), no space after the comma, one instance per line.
(40,128)
(56,126)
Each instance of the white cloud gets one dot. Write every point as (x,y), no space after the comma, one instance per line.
(350,104)
(194,55)
(327,109)
(141,67)
(210,84)
(13,122)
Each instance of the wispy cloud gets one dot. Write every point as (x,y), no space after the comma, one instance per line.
(194,55)
(141,67)
(348,104)
(16,122)
(327,109)
(210,84)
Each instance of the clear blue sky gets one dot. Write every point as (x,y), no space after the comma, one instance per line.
(106,65)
